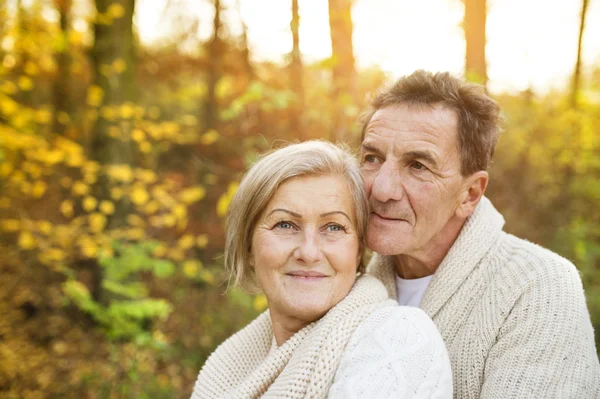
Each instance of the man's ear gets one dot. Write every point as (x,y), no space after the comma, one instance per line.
(473,190)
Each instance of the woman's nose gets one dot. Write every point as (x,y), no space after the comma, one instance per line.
(309,249)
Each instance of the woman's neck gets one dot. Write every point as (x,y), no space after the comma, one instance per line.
(284,327)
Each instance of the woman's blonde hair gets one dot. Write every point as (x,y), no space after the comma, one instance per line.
(311,158)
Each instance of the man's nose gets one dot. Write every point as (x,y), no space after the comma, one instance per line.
(387,184)
(309,249)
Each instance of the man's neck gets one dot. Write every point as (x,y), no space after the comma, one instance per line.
(425,261)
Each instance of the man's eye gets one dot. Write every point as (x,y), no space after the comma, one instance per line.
(418,165)
(370,158)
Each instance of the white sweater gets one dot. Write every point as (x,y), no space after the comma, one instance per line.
(512,314)
(396,353)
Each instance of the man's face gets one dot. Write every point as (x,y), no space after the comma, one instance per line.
(411,166)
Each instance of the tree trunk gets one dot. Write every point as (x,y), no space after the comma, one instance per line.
(62,89)
(296,73)
(113,45)
(215,50)
(343,72)
(245,51)
(474,26)
(577,73)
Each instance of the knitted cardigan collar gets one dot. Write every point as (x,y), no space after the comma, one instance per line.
(248,365)
(479,233)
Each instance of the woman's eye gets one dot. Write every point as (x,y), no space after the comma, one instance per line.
(335,227)
(284,225)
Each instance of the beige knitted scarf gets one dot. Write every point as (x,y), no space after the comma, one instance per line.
(249,365)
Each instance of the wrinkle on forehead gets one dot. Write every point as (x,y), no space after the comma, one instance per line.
(431,120)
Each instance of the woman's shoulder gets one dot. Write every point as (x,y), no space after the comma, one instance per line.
(396,352)
(406,321)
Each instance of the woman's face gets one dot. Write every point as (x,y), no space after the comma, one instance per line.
(305,247)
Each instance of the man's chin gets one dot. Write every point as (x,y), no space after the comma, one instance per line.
(384,245)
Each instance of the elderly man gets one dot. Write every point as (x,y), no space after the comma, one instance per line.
(512,314)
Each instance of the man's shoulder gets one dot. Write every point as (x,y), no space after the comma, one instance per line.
(534,263)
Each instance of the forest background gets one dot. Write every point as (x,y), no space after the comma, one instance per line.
(119,156)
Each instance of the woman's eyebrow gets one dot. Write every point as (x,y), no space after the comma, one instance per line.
(286,211)
(336,212)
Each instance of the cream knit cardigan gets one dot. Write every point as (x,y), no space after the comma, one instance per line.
(512,314)
(385,341)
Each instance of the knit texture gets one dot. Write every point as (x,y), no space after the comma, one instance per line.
(248,366)
(512,315)
(397,352)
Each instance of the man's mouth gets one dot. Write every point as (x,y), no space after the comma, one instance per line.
(386,218)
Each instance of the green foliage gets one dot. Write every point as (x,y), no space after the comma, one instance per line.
(129,309)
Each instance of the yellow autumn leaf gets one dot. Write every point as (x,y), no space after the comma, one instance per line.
(55,254)
(191,267)
(108,113)
(137,135)
(80,188)
(10,225)
(115,10)
(139,195)
(260,303)
(135,220)
(209,137)
(180,212)
(146,175)
(43,116)
(31,68)
(66,208)
(193,194)
(160,251)
(225,199)
(151,207)
(127,111)
(95,95)
(176,254)
(9,87)
(8,106)
(135,234)
(186,242)
(26,240)
(25,83)
(119,66)
(145,147)
(107,207)
(168,220)
(97,222)
(116,193)
(44,227)
(89,204)
(38,189)
(202,241)
(89,248)
(121,173)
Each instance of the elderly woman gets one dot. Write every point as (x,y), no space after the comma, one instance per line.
(296,229)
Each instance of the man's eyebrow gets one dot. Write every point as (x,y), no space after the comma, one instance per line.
(286,211)
(371,148)
(427,156)
(336,212)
